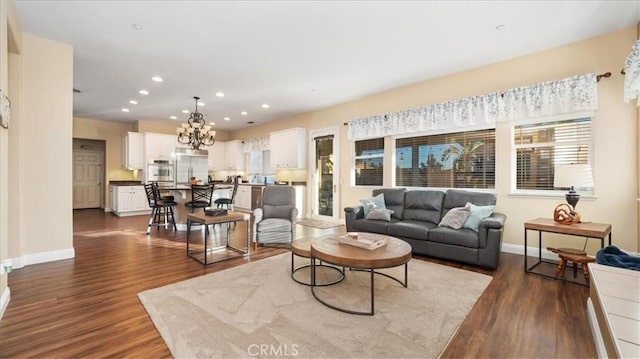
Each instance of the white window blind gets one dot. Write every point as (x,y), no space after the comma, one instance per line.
(542,146)
(368,166)
(450,160)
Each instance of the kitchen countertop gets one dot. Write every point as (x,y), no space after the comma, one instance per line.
(125,183)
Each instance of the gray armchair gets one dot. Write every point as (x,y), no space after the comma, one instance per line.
(275,222)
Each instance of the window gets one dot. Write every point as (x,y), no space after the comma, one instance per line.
(369,162)
(451,160)
(539,147)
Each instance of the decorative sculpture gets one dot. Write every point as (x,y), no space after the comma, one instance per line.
(565,214)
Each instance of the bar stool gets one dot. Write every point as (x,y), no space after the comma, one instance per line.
(228,202)
(161,210)
(200,198)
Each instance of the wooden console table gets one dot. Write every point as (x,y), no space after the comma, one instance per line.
(588,230)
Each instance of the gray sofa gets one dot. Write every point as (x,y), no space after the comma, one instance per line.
(415,218)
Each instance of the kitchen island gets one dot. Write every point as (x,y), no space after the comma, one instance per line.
(182,195)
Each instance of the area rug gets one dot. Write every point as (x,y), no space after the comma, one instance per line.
(315,223)
(257,310)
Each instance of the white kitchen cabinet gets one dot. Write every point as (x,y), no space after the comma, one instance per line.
(159,146)
(243,198)
(234,155)
(129,201)
(216,160)
(131,151)
(289,148)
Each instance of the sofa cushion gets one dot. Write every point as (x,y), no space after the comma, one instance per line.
(410,229)
(383,214)
(423,206)
(377,201)
(373,226)
(477,214)
(459,237)
(274,225)
(455,218)
(459,198)
(393,199)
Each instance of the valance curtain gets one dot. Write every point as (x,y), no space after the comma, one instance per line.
(256,144)
(632,74)
(571,94)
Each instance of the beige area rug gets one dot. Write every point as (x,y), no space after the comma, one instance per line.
(315,223)
(257,310)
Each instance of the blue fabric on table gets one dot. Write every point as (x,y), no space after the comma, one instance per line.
(613,256)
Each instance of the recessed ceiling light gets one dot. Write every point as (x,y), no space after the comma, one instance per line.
(200,103)
(212,123)
(265,105)
(125,110)
(173,117)
(244,113)
(157,79)
(143,92)
(219,94)
(137,26)
(133,102)
(227,119)
(185,111)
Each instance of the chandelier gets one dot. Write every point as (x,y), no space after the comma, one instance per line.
(196,132)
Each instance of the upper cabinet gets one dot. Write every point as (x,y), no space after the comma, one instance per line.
(131,152)
(217,160)
(289,148)
(227,156)
(159,146)
(234,155)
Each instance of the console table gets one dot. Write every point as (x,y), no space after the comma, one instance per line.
(587,229)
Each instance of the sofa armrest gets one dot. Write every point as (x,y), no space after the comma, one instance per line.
(490,237)
(293,217)
(257,217)
(495,221)
(351,214)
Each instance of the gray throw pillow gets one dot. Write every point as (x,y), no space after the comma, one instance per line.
(383,214)
(373,202)
(455,217)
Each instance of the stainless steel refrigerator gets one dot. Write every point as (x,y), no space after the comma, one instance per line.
(191,163)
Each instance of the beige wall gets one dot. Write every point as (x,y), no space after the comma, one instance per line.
(616,163)
(45,166)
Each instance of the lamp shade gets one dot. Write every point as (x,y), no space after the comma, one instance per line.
(578,176)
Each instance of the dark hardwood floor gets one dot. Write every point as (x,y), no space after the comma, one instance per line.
(88,306)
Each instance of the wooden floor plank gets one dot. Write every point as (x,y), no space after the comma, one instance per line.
(88,306)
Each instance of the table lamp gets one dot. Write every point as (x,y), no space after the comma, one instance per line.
(572,176)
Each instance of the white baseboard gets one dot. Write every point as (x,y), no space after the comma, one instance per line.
(35,258)
(49,256)
(4,301)
(531,251)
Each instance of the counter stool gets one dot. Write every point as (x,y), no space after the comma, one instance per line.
(575,258)
(200,198)
(228,202)
(161,210)
(302,248)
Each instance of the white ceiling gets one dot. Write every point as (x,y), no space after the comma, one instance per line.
(296,56)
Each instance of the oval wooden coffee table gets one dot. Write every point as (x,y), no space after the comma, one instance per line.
(327,249)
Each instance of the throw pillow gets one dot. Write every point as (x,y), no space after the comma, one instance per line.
(478,213)
(455,217)
(373,202)
(380,213)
